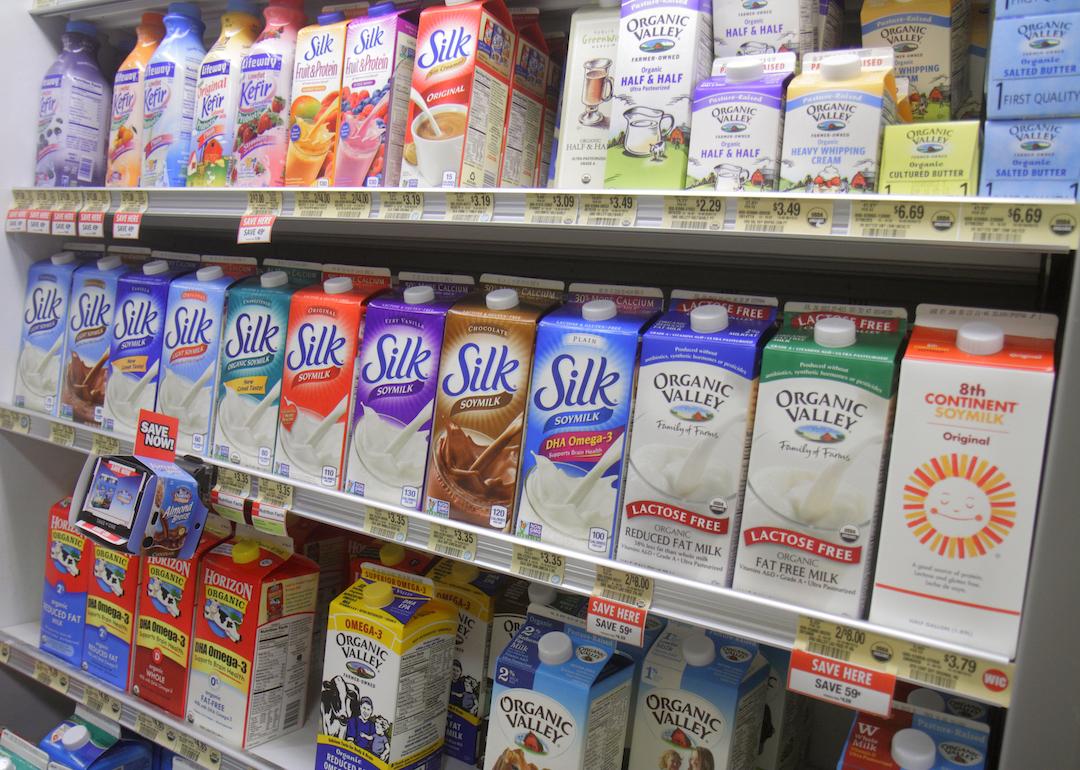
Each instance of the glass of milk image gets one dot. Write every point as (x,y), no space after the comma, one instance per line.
(596,90)
(439,135)
(646,131)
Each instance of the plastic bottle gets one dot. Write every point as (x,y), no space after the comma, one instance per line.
(125,131)
(73,114)
(217,95)
(169,97)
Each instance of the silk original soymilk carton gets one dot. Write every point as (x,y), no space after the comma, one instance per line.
(1034,67)
(963,485)
(738,123)
(931,159)
(464,56)
(67,573)
(821,436)
(560,700)
(189,354)
(697,382)
(41,344)
(752,27)
(700,702)
(1031,158)
(252,642)
(912,737)
(111,598)
(664,49)
(519,164)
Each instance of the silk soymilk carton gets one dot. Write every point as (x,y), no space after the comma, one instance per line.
(697,381)
(1034,67)
(664,49)
(963,485)
(821,436)
(44,322)
(67,574)
(1031,158)
(519,164)
(112,596)
(743,28)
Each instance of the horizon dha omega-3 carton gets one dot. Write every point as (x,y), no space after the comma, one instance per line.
(664,49)
(560,701)
(914,737)
(931,159)
(964,471)
(742,28)
(821,435)
(697,381)
(701,701)
(519,164)
(464,57)
(1034,66)
(111,599)
(67,574)
(1031,158)
(44,322)
(252,647)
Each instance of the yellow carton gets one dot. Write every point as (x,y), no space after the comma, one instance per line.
(931,159)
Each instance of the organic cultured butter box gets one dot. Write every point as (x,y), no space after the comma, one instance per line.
(67,574)
(111,598)
(930,159)
(963,484)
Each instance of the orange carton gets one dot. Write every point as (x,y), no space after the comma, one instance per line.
(520,166)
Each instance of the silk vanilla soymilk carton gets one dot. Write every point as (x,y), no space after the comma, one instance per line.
(697,381)
(41,347)
(821,436)
(750,27)
(963,485)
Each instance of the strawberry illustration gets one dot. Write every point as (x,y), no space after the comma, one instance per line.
(277,105)
(264,124)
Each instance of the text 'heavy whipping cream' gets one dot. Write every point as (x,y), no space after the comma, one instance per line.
(44,322)
(809,517)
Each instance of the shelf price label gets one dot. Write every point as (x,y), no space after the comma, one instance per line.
(535,564)
(39,218)
(1022,225)
(95,206)
(470,206)
(401,205)
(453,542)
(101,702)
(51,677)
(966,675)
(784,216)
(62,434)
(386,525)
(22,200)
(551,209)
(66,213)
(619,605)
(5,653)
(16,422)
(257,221)
(230,493)
(191,748)
(608,210)
(105,445)
(912,220)
(127,220)
(155,731)
(273,500)
(694,212)
(333,204)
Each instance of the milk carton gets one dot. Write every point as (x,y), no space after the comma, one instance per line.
(1030,158)
(931,159)
(693,420)
(914,738)
(233,267)
(181,261)
(963,483)
(41,344)
(821,435)
(1034,67)
(299,272)
(327,547)
(836,110)
(392,556)
(317,382)
(464,55)
(511,606)
(86,344)
(519,165)
(701,701)
(443,284)
(67,573)
(785,725)
(664,50)
(367,280)
(738,123)
(395,396)
(131,375)
(249,378)
(111,598)
(561,698)
(752,28)
(131,256)
(930,41)
(252,646)
(193,332)
(941,702)
(386,677)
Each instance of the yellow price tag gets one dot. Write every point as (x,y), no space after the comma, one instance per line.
(51,677)
(62,434)
(386,525)
(22,200)
(333,204)
(784,216)
(1019,224)
(101,702)
(156,731)
(230,494)
(127,221)
(39,217)
(847,643)
(608,210)
(66,212)
(965,675)
(96,205)
(453,542)
(401,205)
(264,202)
(276,493)
(625,587)
(470,206)
(551,209)
(694,212)
(198,752)
(16,422)
(273,502)
(5,653)
(904,220)
(534,564)
(105,445)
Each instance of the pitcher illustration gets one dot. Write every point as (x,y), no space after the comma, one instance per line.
(597,90)
(646,128)
(730,176)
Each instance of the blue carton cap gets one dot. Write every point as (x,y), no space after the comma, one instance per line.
(381,9)
(241,6)
(331,18)
(185,9)
(87,28)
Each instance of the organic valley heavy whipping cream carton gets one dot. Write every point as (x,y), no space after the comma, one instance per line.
(821,434)
(960,502)
(44,322)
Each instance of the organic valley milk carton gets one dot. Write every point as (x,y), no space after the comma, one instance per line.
(963,484)
(821,434)
(693,419)
(1034,67)
(701,701)
(464,55)
(67,574)
(44,321)
(931,159)
(393,556)
(738,123)
(126,128)
(1031,158)
(111,598)
(664,49)
(519,164)
(745,28)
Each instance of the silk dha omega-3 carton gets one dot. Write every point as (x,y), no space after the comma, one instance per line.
(252,647)
(67,572)
(821,434)
(963,485)
(464,56)
(1031,158)
(111,598)
(519,165)
(697,382)
(41,347)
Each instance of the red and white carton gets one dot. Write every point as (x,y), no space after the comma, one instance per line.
(327,547)
(464,56)
(520,165)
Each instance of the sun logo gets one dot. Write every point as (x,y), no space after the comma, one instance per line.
(959,506)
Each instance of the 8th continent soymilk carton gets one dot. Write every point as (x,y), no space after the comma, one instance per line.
(1031,158)
(701,701)
(111,598)
(464,55)
(963,486)
(821,435)
(561,700)
(67,574)
(386,676)
(914,737)
(252,647)
(697,382)
(519,163)
(44,321)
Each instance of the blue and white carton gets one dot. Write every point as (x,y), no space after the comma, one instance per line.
(1034,68)
(41,347)
(1004,9)
(1031,158)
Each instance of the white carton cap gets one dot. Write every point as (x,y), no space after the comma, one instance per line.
(209,273)
(744,70)
(273,279)
(5,764)
(598,310)
(75,737)
(555,648)
(979,338)
(338,285)
(502,299)
(922,697)
(843,66)
(418,295)
(156,267)
(542,593)
(834,332)
(63,258)
(914,750)
(110,262)
(698,650)
(706,319)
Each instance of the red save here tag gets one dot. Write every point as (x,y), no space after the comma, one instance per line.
(156,435)
(844,684)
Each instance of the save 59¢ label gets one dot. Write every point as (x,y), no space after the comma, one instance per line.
(619,605)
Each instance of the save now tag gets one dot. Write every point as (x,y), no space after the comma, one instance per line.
(844,684)
(155,435)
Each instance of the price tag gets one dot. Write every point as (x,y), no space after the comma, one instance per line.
(51,677)
(128,218)
(198,752)
(62,434)
(469,206)
(619,605)
(908,220)
(534,564)
(16,215)
(16,422)
(101,702)
(274,500)
(230,494)
(5,653)
(39,218)
(256,223)
(962,674)
(328,204)
(386,525)
(608,210)
(452,542)
(401,205)
(551,209)
(65,216)
(92,216)
(625,587)
(694,212)
(40,5)
(1035,225)
(784,216)
(155,731)
(105,445)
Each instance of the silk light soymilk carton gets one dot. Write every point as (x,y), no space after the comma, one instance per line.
(930,159)
(464,56)
(112,596)
(189,354)
(697,381)
(1034,66)
(519,164)
(914,738)
(664,49)
(738,123)
(44,322)
(561,700)
(1031,158)
(821,435)
(68,568)
(741,28)
(964,471)
(252,641)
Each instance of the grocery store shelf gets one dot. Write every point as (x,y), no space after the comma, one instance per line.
(114,14)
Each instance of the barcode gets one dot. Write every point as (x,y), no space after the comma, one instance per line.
(535,574)
(997,238)
(883,232)
(756,227)
(927,676)
(292,715)
(547,219)
(455,553)
(385,534)
(620,596)
(466,217)
(86,170)
(828,650)
(489,179)
(604,221)
(686,224)
(402,215)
